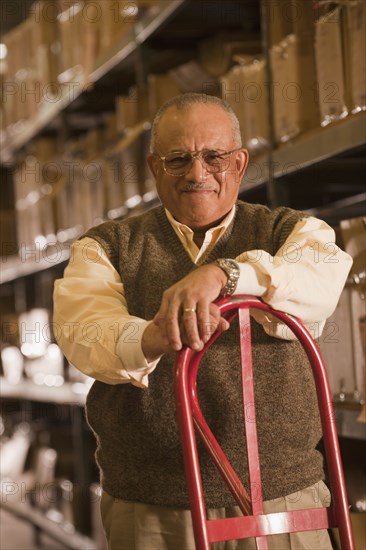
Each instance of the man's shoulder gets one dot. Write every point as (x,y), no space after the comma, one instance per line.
(262,210)
(271,226)
(119,238)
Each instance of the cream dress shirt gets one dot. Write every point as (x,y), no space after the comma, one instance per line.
(99,337)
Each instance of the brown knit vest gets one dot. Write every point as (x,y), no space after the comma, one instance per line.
(139,451)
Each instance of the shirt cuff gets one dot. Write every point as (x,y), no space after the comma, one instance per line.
(130,352)
(248,282)
(275,328)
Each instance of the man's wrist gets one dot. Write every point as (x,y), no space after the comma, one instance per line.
(232,272)
(151,344)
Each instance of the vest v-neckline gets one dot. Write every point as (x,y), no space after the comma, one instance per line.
(181,252)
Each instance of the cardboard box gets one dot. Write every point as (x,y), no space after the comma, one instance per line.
(26,180)
(112,190)
(46,150)
(29,97)
(8,86)
(191,77)
(71,31)
(290,17)
(303,15)
(354,240)
(108,22)
(42,170)
(47,47)
(132,109)
(31,69)
(308,112)
(286,90)
(122,178)
(161,87)
(353,233)
(128,174)
(280,21)
(340,346)
(354,28)
(330,68)
(243,87)
(117,19)
(16,75)
(291,38)
(146,180)
(215,55)
(293,88)
(127,110)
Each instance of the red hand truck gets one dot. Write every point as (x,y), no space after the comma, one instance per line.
(254,523)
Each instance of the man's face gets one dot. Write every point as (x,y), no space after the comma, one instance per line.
(198,199)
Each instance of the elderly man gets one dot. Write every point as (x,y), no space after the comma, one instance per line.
(136,290)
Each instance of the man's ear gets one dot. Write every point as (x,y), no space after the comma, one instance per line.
(242,159)
(153,163)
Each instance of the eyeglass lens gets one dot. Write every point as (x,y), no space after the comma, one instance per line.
(179,162)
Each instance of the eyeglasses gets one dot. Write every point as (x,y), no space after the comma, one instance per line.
(179,163)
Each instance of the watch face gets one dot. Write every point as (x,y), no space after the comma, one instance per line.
(231,269)
(231,264)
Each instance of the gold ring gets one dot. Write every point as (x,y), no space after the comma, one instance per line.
(187,309)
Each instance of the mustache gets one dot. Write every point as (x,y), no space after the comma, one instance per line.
(197,187)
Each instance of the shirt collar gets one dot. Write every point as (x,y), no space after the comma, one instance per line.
(187,231)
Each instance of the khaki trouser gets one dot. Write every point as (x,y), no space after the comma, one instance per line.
(136,526)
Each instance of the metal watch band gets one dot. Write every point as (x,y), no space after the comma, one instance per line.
(231,268)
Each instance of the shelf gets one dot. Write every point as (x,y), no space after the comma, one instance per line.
(25,130)
(67,394)
(138,35)
(32,261)
(349,207)
(320,144)
(309,149)
(41,257)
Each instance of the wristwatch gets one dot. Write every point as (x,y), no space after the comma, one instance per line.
(231,268)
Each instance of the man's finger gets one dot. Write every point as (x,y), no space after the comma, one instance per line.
(190,323)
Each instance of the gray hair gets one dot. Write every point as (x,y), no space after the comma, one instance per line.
(185,101)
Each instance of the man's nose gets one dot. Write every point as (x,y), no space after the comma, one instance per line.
(197,171)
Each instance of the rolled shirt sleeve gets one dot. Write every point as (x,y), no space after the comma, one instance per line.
(91,321)
(305,277)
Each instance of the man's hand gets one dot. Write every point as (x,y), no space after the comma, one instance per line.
(187,314)
(154,344)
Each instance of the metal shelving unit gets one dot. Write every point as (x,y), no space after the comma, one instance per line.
(303,152)
(320,144)
(30,262)
(24,131)
(135,37)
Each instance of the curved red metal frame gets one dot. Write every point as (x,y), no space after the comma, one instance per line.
(190,416)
